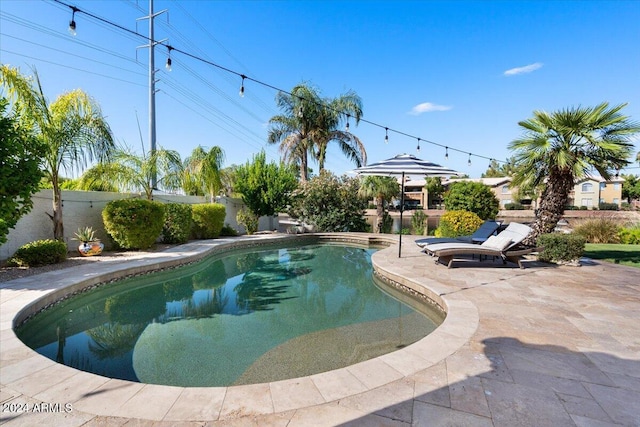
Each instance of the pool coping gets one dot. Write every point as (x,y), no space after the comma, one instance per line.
(43,380)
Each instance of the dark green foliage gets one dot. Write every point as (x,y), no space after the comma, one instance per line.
(513,207)
(330,203)
(265,188)
(458,223)
(40,252)
(608,206)
(598,230)
(387,223)
(227,230)
(133,223)
(208,220)
(248,219)
(560,247)
(472,197)
(177,223)
(19,170)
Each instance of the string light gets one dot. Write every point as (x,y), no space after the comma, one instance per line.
(168,66)
(72,23)
(346,128)
(469,161)
(418,149)
(242,86)
(386,135)
(446,153)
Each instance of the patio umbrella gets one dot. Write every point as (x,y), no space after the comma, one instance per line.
(401,165)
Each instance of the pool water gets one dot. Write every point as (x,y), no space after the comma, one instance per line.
(244,317)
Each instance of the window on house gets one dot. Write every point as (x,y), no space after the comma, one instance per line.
(587,187)
(616,185)
(601,200)
(505,201)
(616,201)
(603,185)
(505,189)
(586,202)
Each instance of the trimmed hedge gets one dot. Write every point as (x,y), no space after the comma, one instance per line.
(177,223)
(458,223)
(560,247)
(133,223)
(208,220)
(513,207)
(40,252)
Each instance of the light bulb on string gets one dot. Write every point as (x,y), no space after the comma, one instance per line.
(446,153)
(469,161)
(241,93)
(72,23)
(346,128)
(168,64)
(386,135)
(418,149)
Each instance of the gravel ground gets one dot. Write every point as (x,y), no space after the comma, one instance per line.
(73,260)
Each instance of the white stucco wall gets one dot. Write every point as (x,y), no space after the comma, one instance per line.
(84,208)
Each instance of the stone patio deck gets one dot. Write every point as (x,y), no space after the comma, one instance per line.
(544,346)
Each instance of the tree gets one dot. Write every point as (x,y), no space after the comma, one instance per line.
(330,203)
(203,172)
(564,146)
(309,123)
(631,187)
(472,197)
(499,170)
(132,172)
(71,128)
(381,188)
(265,188)
(19,172)
(435,189)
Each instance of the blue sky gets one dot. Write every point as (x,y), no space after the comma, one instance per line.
(457,73)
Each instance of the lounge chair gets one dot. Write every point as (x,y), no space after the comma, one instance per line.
(503,245)
(487,228)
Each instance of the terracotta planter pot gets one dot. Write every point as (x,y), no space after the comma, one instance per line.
(90,248)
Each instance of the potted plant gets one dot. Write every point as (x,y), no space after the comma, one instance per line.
(89,244)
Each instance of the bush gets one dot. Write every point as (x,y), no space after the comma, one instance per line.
(598,230)
(514,207)
(630,236)
(177,223)
(458,223)
(419,222)
(472,197)
(560,247)
(608,206)
(208,220)
(387,223)
(40,252)
(133,223)
(583,208)
(248,219)
(227,230)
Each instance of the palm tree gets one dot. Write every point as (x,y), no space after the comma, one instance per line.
(381,188)
(309,123)
(132,172)
(203,172)
(566,145)
(72,129)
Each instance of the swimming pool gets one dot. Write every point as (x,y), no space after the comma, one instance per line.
(243,317)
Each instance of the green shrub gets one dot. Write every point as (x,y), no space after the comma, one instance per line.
(630,235)
(40,252)
(571,208)
(608,206)
(133,223)
(598,230)
(419,222)
(248,219)
(208,220)
(513,207)
(583,208)
(177,223)
(472,197)
(227,230)
(458,223)
(560,247)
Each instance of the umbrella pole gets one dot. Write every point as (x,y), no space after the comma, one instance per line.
(401,210)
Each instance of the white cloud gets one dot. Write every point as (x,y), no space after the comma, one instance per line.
(427,107)
(523,70)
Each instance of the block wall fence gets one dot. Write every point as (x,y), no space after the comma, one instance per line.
(84,208)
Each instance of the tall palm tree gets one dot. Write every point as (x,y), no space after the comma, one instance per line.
(382,188)
(566,145)
(309,123)
(129,171)
(72,128)
(203,172)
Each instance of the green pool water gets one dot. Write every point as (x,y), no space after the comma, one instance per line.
(244,317)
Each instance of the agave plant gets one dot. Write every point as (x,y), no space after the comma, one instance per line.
(86,234)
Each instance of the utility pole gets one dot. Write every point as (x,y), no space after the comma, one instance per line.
(152,87)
